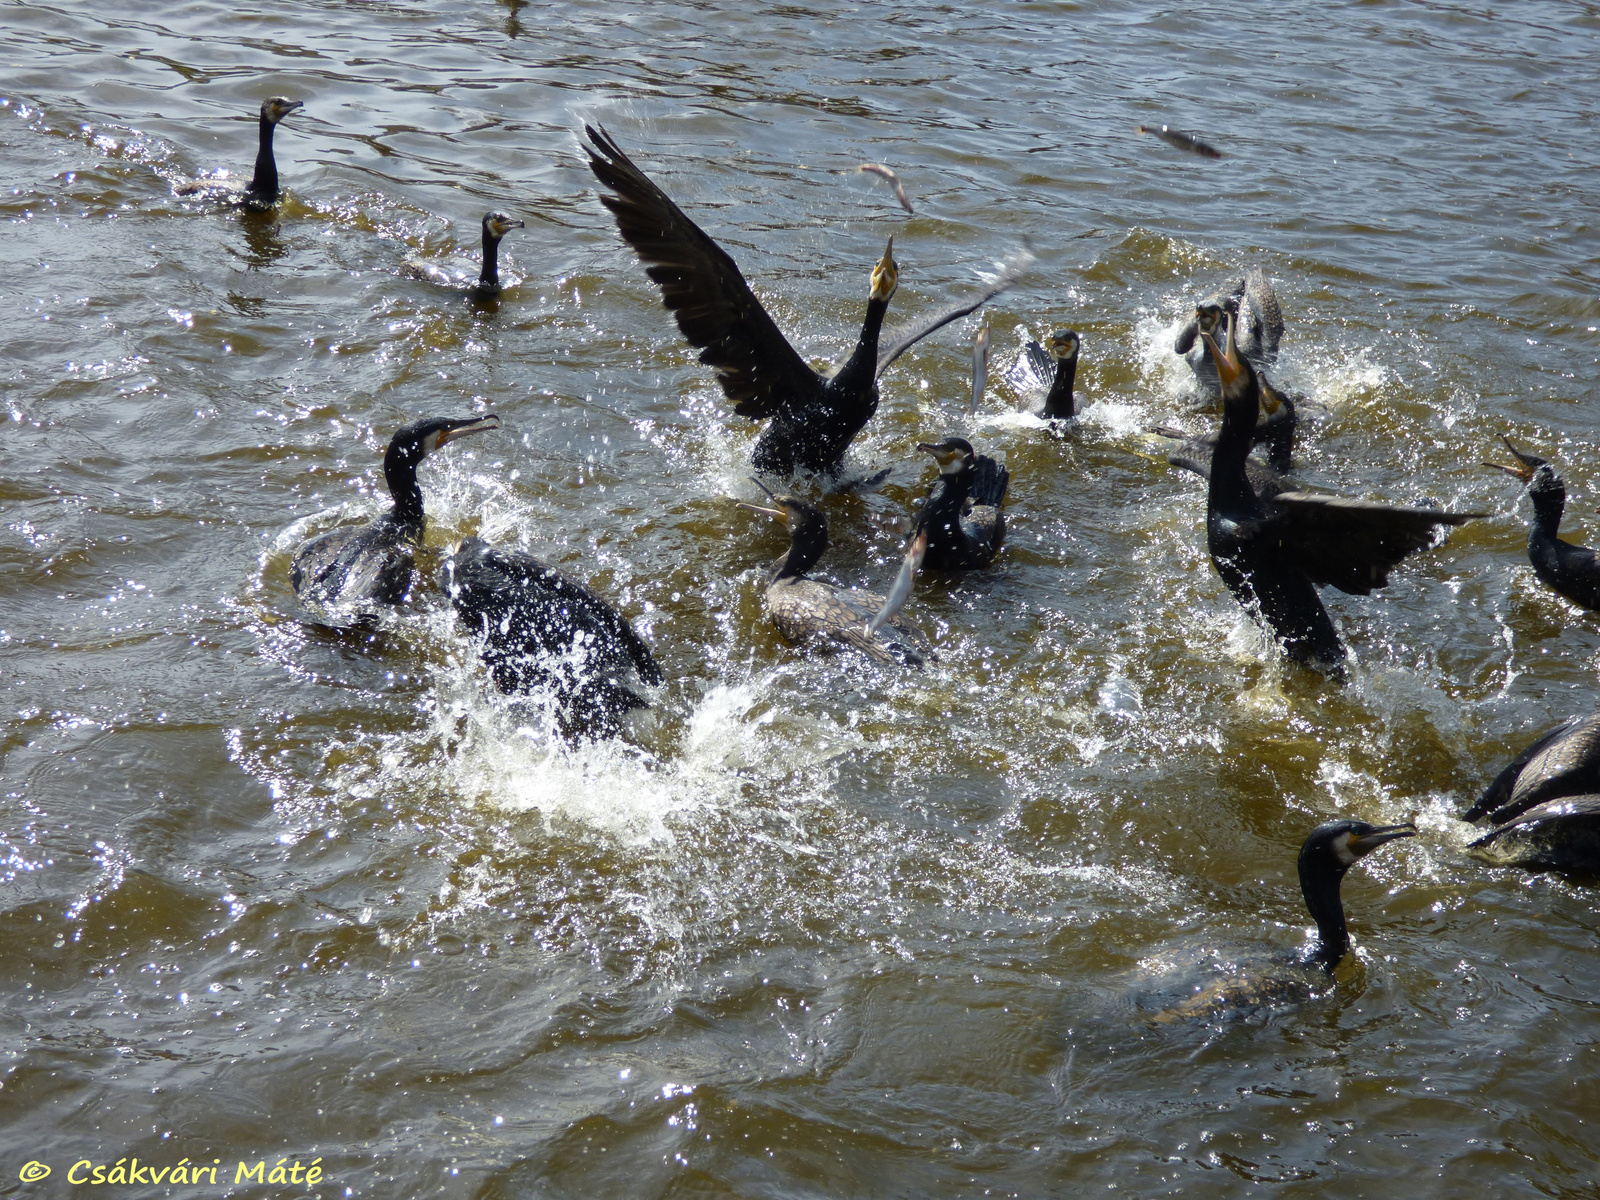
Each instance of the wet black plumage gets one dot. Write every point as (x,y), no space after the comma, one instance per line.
(811,418)
(963,515)
(262,192)
(1573,571)
(1545,805)
(1056,362)
(342,574)
(1273,551)
(537,627)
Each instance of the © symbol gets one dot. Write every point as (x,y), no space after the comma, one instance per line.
(33,1172)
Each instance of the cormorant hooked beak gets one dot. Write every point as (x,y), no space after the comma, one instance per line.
(470,425)
(499,224)
(279,107)
(1363,844)
(947,454)
(781,512)
(1062,344)
(886,275)
(1527,463)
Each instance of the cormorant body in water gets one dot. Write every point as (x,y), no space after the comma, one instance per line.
(811,612)
(541,628)
(1573,571)
(1545,806)
(487,286)
(1056,362)
(1254,303)
(262,192)
(811,418)
(341,574)
(1273,552)
(1325,856)
(962,515)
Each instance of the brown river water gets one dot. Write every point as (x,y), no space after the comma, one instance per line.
(809,928)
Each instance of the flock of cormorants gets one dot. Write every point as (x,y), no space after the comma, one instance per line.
(1271,540)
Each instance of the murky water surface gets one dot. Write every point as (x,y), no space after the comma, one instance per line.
(271,892)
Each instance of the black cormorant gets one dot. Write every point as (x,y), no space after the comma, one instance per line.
(810,612)
(1574,571)
(1254,303)
(1545,806)
(962,515)
(813,417)
(1325,856)
(262,192)
(342,573)
(487,286)
(1273,552)
(537,627)
(1056,362)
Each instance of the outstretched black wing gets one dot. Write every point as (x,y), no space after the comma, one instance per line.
(702,287)
(895,342)
(1353,544)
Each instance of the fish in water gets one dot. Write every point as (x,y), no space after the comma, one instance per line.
(1182,141)
(901,591)
(980,365)
(894,181)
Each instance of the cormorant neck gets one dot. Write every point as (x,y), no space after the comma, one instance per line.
(944,502)
(807,541)
(1230,488)
(1280,438)
(1549,500)
(264,184)
(861,368)
(1320,886)
(400,473)
(489,275)
(1059,403)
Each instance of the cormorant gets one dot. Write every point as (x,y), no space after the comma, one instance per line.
(343,572)
(1254,303)
(1574,571)
(1056,362)
(1325,856)
(541,628)
(487,286)
(1545,805)
(262,192)
(1272,552)
(962,514)
(811,418)
(808,611)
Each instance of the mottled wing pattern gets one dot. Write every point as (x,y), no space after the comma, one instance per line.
(703,288)
(1353,544)
(808,609)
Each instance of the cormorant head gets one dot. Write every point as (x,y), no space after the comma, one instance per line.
(1208,317)
(496,225)
(1336,845)
(1234,372)
(791,510)
(276,108)
(1062,345)
(414,442)
(1527,465)
(954,455)
(886,275)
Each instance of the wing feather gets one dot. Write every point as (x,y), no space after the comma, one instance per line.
(1353,544)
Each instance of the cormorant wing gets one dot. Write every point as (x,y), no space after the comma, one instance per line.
(1567,808)
(1353,544)
(702,287)
(1044,366)
(893,343)
(1499,792)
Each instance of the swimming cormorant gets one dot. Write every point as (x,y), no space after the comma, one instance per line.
(487,286)
(1254,303)
(962,515)
(811,418)
(1272,552)
(541,628)
(811,612)
(1325,856)
(1545,805)
(342,573)
(1573,571)
(1056,362)
(262,192)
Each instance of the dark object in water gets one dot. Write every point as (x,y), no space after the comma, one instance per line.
(262,192)
(1572,571)
(1182,141)
(962,515)
(1544,806)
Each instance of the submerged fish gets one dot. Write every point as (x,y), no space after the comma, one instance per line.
(899,188)
(1182,141)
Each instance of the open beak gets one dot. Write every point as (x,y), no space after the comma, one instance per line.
(886,275)
(1229,368)
(1527,464)
(471,425)
(779,513)
(1364,844)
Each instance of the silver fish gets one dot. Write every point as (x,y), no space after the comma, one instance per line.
(901,591)
(980,365)
(899,188)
